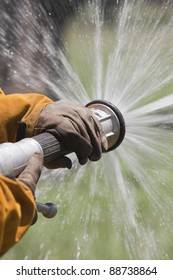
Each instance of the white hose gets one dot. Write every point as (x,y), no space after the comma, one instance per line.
(14,156)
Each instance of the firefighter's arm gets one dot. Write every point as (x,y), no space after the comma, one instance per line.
(19,107)
(17,205)
(16,212)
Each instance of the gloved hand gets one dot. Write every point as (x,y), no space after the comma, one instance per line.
(31,174)
(76,127)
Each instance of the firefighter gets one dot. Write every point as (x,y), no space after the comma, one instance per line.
(74,125)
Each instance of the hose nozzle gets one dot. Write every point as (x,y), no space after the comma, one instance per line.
(111,120)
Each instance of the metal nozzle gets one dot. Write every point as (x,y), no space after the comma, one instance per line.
(111,120)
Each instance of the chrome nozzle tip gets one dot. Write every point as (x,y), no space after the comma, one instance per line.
(117,128)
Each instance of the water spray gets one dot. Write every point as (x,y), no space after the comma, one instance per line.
(14,156)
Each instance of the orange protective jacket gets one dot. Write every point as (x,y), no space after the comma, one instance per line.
(17,206)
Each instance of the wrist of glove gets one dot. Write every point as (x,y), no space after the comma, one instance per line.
(76,127)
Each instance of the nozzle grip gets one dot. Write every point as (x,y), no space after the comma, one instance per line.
(52,148)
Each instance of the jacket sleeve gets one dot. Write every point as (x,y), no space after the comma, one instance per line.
(19,107)
(17,210)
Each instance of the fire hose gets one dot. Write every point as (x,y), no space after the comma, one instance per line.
(14,156)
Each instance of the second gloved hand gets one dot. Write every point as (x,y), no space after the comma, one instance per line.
(31,174)
(76,127)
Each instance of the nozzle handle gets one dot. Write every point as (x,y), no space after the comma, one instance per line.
(52,148)
(48,210)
